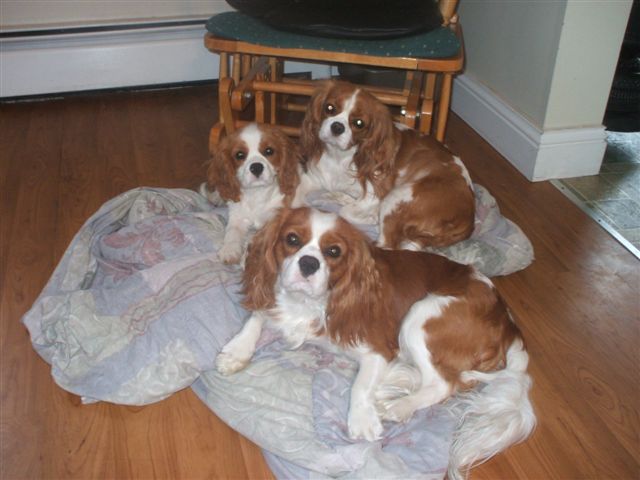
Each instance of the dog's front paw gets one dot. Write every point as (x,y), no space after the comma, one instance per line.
(363,423)
(229,362)
(230,253)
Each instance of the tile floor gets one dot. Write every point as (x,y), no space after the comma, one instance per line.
(612,197)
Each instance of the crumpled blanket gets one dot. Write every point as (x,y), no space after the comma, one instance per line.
(294,404)
(139,307)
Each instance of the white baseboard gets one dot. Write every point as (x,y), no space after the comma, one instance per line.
(537,154)
(111,59)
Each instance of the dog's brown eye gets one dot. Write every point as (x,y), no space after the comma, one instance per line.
(358,123)
(240,155)
(333,251)
(293,240)
(330,109)
(268,152)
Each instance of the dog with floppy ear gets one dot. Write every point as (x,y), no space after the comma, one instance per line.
(416,190)
(329,156)
(256,171)
(376,141)
(421,327)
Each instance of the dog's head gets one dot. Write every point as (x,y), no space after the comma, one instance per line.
(253,156)
(343,117)
(309,252)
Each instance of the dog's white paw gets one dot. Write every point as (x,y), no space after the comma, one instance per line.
(363,423)
(229,362)
(230,253)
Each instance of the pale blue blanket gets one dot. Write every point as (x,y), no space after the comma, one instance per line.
(139,307)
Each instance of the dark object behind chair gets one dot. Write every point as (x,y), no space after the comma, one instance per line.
(364,19)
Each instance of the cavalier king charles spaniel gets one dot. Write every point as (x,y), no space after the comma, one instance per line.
(421,327)
(255,170)
(412,186)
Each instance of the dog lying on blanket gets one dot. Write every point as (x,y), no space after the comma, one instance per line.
(255,170)
(412,186)
(421,327)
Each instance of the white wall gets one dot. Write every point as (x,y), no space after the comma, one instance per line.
(511,48)
(537,79)
(37,14)
(587,55)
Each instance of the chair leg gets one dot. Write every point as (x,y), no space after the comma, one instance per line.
(275,75)
(225,89)
(237,65)
(443,106)
(224,65)
(226,124)
(408,82)
(246,64)
(217,131)
(260,107)
(410,110)
(426,109)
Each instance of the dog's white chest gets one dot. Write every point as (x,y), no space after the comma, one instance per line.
(336,172)
(298,317)
(257,205)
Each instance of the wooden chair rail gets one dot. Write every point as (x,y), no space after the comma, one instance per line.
(256,77)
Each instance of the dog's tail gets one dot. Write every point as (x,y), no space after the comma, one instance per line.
(401,379)
(492,416)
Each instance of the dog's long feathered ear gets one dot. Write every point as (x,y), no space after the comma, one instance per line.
(357,301)
(309,142)
(290,160)
(375,156)
(221,174)
(261,266)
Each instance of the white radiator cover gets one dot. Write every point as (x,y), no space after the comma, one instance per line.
(36,65)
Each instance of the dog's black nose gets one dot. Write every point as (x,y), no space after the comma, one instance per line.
(256,169)
(308,265)
(337,128)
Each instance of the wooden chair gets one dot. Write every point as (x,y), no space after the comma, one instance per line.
(257,54)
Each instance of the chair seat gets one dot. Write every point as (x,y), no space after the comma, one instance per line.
(439,43)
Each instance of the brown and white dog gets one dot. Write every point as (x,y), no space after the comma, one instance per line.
(420,194)
(417,323)
(256,171)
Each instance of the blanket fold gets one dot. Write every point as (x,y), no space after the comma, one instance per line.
(139,306)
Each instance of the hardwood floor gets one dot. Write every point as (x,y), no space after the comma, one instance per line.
(61,159)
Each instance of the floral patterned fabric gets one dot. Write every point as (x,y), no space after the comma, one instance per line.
(139,306)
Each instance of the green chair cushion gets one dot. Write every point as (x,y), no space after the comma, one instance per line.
(438,43)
